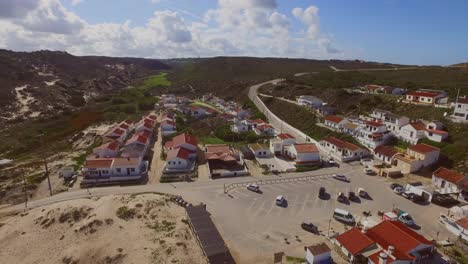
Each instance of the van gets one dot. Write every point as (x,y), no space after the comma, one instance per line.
(344,216)
(280,200)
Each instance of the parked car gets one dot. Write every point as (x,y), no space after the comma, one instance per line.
(341,197)
(331,162)
(394,185)
(398,190)
(280,200)
(365,160)
(417,198)
(368,171)
(341,177)
(408,195)
(253,187)
(444,200)
(344,216)
(322,192)
(362,193)
(351,196)
(403,217)
(309,227)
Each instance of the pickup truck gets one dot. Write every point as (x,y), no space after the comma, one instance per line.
(403,217)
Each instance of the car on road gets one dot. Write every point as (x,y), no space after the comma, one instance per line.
(280,200)
(253,187)
(340,197)
(341,177)
(322,192)
(307,226)
(398,190)
(394,185)
(368,171)
(408,195)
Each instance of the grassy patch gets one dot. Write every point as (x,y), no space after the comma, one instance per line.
(205,104)
(306,168)
(256,114)
(157,80)
(295,260)
(211,140)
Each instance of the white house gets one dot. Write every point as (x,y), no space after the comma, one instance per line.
(118,134)
(239,127)
(417,157)
(385,153)
(342,150)
(412,132)
(350,129)
(318,254)
(107,150)
(98,168)
(168,127)
(278,145)
(178,159)
(335,122)
(260,150)
(310,101)
(145,126)
(372,134)
(304,154)
(127,167)
(460,112)
(186,141)
(197,111)
(447,181)
(436,135)
(427,97)
(265,129)
(392,121)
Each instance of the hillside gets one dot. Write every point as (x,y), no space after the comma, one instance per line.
(37,84)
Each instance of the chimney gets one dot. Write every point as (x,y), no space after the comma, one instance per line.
(383,258)
(391,249)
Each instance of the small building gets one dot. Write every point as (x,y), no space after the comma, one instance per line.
(447,181)
(385,153)
(335,122)
(342,150)
(309,101)
(436,135)
(318,254)
(239,127)
(264,130)
(117,133)
(168,127)
(260,150)
(224,161)
(417,157)
(127,168)
(427,97)
(98,168)
(325,110)
(372,134)
(107,150)
(280,143)
(184,140)
(305,154)
(179,159)
(350,129)
(460,112)
(412,132)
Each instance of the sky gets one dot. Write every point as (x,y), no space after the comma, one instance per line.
(420,32)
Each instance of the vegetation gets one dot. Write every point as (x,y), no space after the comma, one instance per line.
(126,213)
(224,133)
(211,140)
(156,80)
(295,260)
(306,168)
(256,114)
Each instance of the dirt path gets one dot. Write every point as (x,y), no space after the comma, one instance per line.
(156,163)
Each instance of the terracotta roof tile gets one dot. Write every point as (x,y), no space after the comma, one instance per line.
(285,136)
(306,148)
(386,151)
(181,153)
(98,163)
(423,148)
(424,94)
(449,175)
(354,241)
(126,162)
(342,144)
(463,222)
(333,118)
(418,126)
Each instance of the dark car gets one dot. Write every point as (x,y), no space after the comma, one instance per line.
(417,198)
(444,200)
(322,192)
(394,185)
(341,197)
(408,195)
(309,227)
(351,196)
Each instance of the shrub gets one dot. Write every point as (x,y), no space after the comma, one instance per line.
(126,213)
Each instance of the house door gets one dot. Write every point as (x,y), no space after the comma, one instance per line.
(442,185)
(128,171)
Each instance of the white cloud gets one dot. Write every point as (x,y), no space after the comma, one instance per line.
(76,2)
(234,27)
(16,9)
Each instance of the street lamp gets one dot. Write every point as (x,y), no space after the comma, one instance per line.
(328,232)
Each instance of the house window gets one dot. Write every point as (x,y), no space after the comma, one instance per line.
(180,162)
(132,169)
(118,169)
(459,106)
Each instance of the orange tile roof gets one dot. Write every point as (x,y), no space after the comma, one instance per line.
(306,148)
(333,118)
(418,126)
(342,144)
(424,94)
(181,153)
(354,241)
(285,136)
(98,163)
(463,223)
(386,151)
(449,175)
(126,162)
(423,148)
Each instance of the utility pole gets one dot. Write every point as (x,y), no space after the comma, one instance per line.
(44,159)
(328,232)
(25,190)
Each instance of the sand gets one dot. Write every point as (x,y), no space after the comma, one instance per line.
(149,229)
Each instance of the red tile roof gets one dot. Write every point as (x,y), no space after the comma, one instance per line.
(449,175)
(423,148)
(285,136)
(306,148)
(354,241)
(463,101)
(124,125)
(394,233)
(463,223)
(423,94)
(386,151)
(218,148)
(342,144)
(144,133)
(182,139)
(98,163)
(138,138)
(181,153)
(333,119)
(435,131)
(258,121)
(418,126)
(126,162)
(374,123)
(118,131)
(264,127)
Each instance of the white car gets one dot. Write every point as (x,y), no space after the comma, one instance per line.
(331,162)
(253,187)
(368,170)
(280,200)
(341,177)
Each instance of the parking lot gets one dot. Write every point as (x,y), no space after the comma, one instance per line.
(253,224)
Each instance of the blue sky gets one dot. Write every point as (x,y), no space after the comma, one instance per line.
(398,31)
